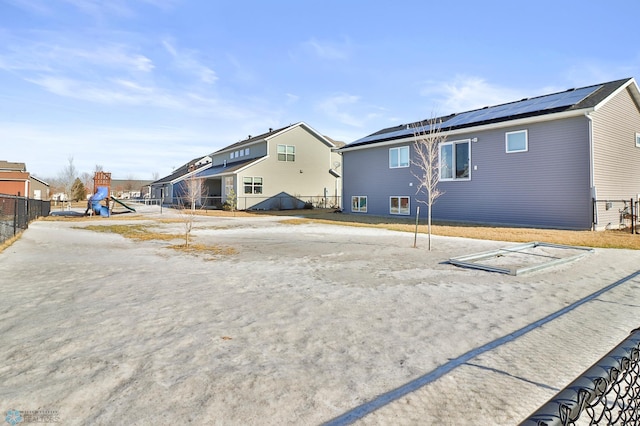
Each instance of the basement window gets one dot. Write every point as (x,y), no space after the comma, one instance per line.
(359,204)
(399,205)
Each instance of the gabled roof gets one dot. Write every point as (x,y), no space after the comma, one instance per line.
(180,171)
(227,168)
(572,100)
(271,134)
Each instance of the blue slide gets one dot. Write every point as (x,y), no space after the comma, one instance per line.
(94,201)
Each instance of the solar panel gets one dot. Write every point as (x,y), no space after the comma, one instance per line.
(540,103)
(525,106)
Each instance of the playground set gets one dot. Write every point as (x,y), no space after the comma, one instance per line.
(101,191)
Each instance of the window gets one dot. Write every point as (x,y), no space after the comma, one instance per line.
(455,158)
(246,151)
(398,157)
(359,204)
(228,185)
(232,155)
(638,140)
(252,185)
(516,141)
(399,205)
(286,153)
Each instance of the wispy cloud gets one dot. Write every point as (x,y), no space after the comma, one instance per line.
(187,61)
(348,109)
(98,9)
(466,93)
(329,50)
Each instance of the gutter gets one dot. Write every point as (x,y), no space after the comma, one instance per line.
(594,219)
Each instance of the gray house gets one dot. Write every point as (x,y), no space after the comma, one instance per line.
(540,162)
(280,169)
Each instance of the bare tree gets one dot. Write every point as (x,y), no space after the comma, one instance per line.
(192,191)
(67,177)
(428,138)
(87,180)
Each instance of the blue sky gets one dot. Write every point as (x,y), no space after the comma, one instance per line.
(143,86)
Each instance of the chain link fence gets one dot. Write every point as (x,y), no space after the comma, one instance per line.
(16,213)
(608,393)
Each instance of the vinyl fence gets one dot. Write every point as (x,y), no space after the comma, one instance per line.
(16,213)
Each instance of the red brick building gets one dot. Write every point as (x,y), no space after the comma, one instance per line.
(16,180)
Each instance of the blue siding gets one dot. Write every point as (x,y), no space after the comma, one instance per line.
(546,186)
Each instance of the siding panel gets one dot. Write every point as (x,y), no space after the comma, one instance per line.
(546,186)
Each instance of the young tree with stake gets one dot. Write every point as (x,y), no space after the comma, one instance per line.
(192,192)
(428,138)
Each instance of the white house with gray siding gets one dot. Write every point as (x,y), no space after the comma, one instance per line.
(538,162)
(277,170)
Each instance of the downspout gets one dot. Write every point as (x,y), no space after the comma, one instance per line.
(594,206)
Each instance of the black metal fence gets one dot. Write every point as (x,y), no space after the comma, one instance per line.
(616,214)
(281,201)
(608,393)
(17,212)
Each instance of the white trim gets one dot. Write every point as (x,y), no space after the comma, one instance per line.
(617,91)
(366,204)
(526,141)
(453,179)
(189,174)
(400,166)
(309,129)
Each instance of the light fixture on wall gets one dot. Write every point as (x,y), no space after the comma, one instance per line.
(474,139)
(300,170)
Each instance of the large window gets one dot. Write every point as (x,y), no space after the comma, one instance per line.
(286,153)
(399,205)
(252,185)
(516,141)
(359,204)
(399,157)
(455,158)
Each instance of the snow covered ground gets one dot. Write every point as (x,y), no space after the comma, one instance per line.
(303,324)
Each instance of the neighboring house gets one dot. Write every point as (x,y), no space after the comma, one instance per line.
(16,180)
(280,169)
(535,162)
(129,188)
(168,187)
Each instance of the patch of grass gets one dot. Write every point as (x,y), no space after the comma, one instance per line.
(620,239)
(204,249)
(90,218)
(136,232)
(7,243)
